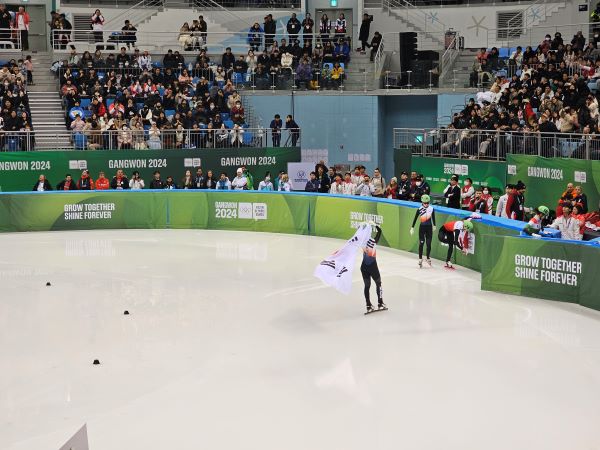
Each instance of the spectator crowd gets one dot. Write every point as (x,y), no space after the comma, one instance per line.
(15,113)
(551,89)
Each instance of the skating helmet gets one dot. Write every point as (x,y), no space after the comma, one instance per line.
(425,198)
(468,225)
(544,210)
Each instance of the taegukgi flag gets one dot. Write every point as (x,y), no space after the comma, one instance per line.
(336,270)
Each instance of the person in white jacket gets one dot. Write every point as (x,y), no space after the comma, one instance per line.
(136,182)
(240,182)
(348,187)
(366,188)
(501,206)
(145,60)
(223,184)
(337,186)
(567,225)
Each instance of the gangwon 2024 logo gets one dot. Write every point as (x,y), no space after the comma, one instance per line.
(241,210)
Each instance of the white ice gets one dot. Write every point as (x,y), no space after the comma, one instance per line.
(232,344)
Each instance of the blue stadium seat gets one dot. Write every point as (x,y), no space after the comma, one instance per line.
(169,113)
(228,123)
(85,102)
(503,52)
(224,116)
(247,137)
(80,141)
(101,75)
(109,101)
(139,106)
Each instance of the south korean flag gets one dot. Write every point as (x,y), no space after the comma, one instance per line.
(336,270)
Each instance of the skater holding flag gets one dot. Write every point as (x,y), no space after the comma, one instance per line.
(455,233)
(426,214)
(336,270)
(369,270)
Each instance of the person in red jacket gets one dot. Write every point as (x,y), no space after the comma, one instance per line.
(455,233)
(22,25)
(85,183)
(102,182)
(467,193)
(68,184)
(514,205)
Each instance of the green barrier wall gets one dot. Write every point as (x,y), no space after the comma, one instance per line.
(20,170)
(496,253)
(295,213)
(438,171)
(546,178)
(546,269)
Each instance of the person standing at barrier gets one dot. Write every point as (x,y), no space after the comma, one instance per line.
(467,193)
(98,26)
(102,183)
(293,28)
(85,182)
(22,25)
(5,20)
(270,28)
(568,226)
(42,185)
(452,193)
(323,179)
(307,30)
(276,126)
(426,216)
(293,129)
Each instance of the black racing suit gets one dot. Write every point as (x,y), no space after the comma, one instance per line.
(427,216)
(369,268)
(448,235)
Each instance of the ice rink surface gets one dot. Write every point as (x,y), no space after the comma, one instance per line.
(232,344)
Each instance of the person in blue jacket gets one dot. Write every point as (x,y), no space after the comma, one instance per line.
(255,34)
(312,185)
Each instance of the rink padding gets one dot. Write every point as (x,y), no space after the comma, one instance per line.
(496,248)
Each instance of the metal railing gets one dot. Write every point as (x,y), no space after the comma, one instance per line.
(450,3)
(140,139)
(525,19)
(236,4)
(319,79)
(409,79)
(137,13)
(184,42)
(449,57)
(495,144)
(533,36)
(414,16)
(10,39)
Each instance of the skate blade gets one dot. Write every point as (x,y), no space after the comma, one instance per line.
(375,310)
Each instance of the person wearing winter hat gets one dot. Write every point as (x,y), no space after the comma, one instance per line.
(239,183)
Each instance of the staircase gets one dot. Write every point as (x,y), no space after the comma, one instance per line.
(355,74)
(47,114)
(463,65)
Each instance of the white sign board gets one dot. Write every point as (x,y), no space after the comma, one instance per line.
(299,174)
